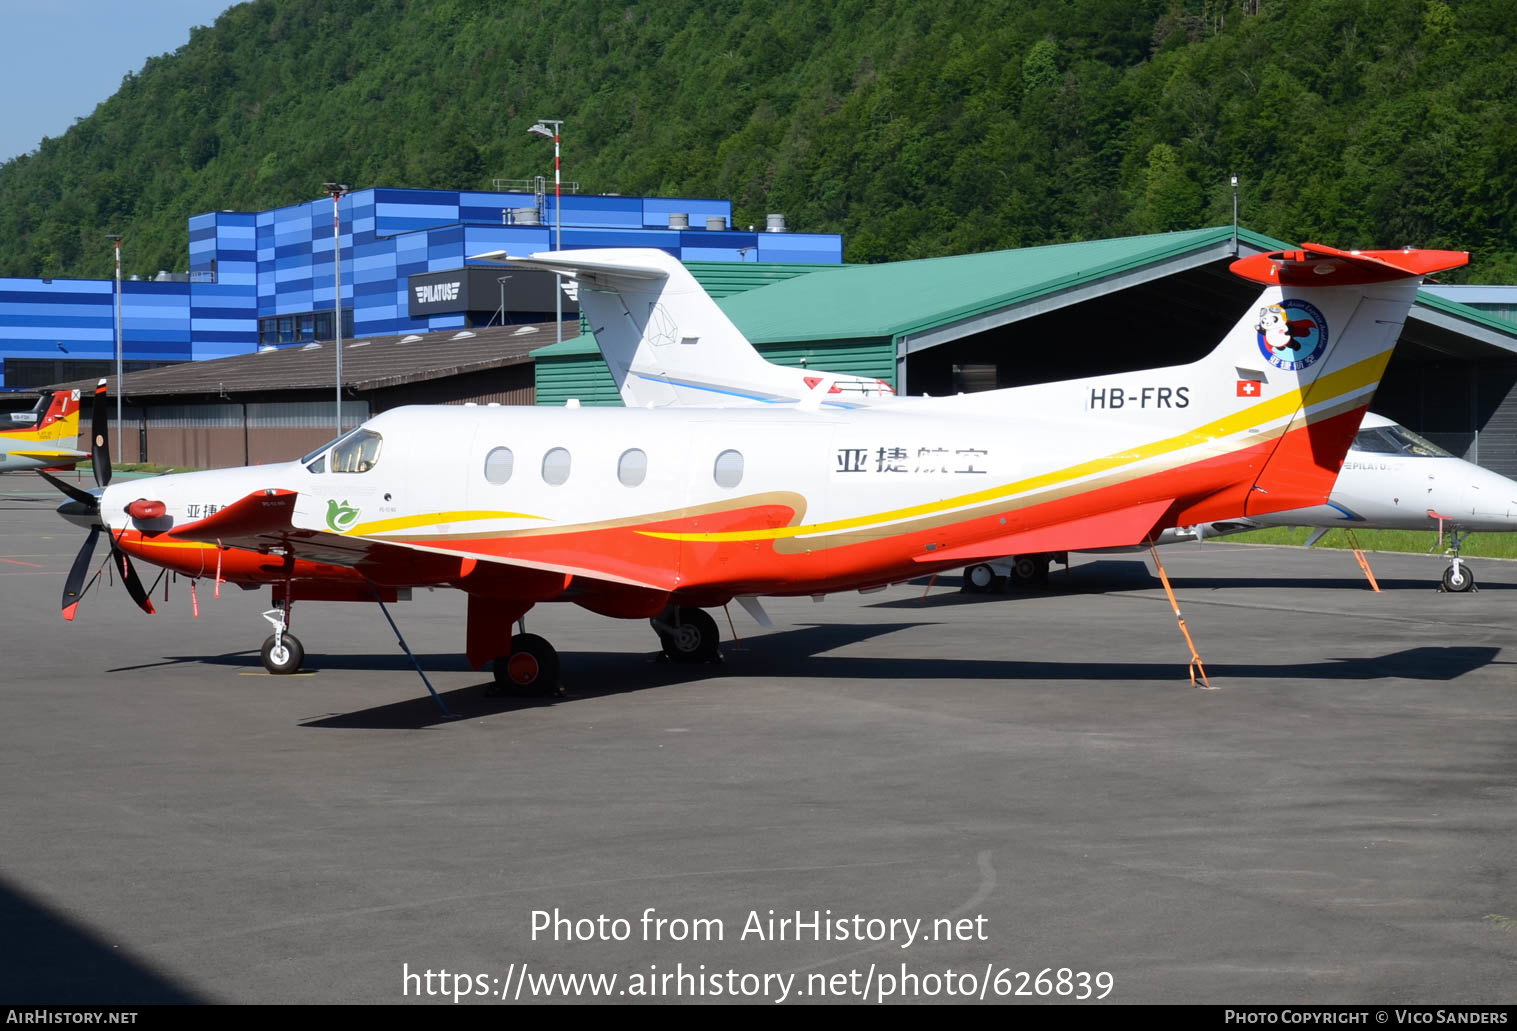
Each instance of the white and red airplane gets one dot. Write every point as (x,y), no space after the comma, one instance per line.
(662,512)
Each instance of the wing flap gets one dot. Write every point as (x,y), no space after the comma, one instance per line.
(1121,528)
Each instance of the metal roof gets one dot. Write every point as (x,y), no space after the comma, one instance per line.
(368,363)
(906,299)
(725,278)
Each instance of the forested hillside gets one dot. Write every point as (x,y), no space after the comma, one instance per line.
(914,129)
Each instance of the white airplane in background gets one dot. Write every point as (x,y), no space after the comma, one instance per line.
(659,513)
(1392,479)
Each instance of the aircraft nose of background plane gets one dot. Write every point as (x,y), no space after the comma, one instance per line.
(1492,497)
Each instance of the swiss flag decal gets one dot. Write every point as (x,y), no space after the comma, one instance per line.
(1249,388)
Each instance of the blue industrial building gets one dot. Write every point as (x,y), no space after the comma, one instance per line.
(261,278)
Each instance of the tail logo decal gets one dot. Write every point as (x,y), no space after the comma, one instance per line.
(1292,334)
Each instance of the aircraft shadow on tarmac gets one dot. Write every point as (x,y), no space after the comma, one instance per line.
(47,959)
(1113,577)
(800,654)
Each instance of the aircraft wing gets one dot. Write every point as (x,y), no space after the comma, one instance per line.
(1121,528)
(262,521)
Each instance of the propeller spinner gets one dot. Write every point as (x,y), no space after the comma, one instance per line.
(83,508)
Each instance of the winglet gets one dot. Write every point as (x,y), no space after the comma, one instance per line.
(1315,264)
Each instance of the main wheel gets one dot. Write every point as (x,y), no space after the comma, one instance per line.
(530,669)
(283,657)
(1458,579)
(979,578)
(1030,569)
(693,637)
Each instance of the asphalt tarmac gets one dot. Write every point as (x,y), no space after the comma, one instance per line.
(1334,823)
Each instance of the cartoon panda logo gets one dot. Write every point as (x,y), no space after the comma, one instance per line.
(1292,334)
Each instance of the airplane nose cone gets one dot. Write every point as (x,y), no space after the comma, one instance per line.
(80,514)
(1493,498)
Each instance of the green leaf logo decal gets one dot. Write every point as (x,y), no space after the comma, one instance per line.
(341,517)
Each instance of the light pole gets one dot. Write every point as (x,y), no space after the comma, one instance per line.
(542,129)
(116,239)
(337,190)
(1235,214)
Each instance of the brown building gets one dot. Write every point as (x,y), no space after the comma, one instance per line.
(275,405)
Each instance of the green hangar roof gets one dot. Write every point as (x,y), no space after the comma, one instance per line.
(911,298)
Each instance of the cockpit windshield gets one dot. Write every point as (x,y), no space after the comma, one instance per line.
(358,452)
(328,444)
(1397,440)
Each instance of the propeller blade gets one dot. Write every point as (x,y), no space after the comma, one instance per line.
(84,497)
(129,578)
(99,428)
(73,587)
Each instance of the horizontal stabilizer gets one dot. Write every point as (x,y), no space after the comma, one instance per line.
(51,456)
(1122,528)
(1316,264)
(582,265)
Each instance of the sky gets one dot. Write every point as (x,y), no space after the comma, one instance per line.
(63,57)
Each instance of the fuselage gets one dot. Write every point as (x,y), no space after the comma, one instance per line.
(707,503)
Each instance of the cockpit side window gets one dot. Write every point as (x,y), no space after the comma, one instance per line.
(1376,442)
(318,466)
(328,444)
(358,452)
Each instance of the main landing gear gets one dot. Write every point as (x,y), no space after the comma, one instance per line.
(687,634)
(531,669)
(282,653)
(1015,570)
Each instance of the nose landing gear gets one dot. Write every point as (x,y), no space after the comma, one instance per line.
(1457,578)
(282,653)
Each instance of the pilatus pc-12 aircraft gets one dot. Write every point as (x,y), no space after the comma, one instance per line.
(660,513)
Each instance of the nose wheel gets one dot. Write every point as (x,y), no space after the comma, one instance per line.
(531,669)
(1457,578)
(282,654)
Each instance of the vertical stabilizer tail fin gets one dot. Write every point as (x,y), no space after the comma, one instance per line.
(59,425)
(1313,349)
(667,343)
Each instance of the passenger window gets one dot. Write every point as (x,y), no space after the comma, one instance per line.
(728,470)
(357,452)
(556,466)
(498,464)
(632,468)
